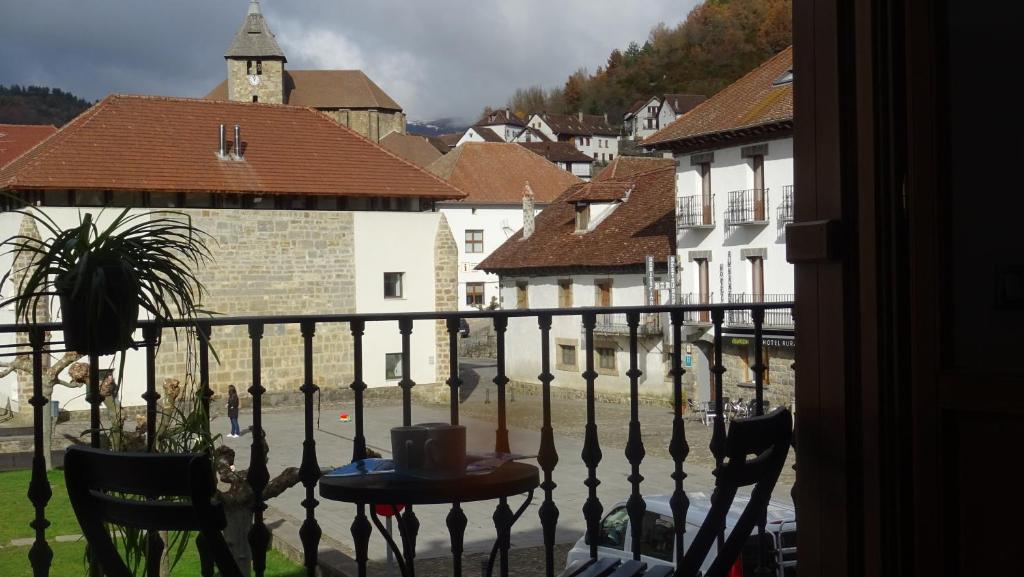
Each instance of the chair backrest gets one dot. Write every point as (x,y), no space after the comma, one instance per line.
(148,491)
(755,452)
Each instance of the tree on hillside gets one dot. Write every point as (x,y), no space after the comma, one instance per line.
(39,105)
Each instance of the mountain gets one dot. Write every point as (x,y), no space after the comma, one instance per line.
(39,105)
(435,127)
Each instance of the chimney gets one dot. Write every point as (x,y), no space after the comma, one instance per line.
(527,211)
(606,117)
(579,115)
(238,143)
(222,152)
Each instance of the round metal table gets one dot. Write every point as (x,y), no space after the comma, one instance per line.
(392,488)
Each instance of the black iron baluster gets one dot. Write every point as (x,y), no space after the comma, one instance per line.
(635,505)
(547,456)
(591,455)
(717,444)
(456,519)
(412,523)
(94,399)
(503,526)
(40,555)
(678,448)
(454,382)
(358,327)
(757,315)
(500,380)
(258,476)
(149,337)
(309,471)
(360,525)
(205,393)
(154,544)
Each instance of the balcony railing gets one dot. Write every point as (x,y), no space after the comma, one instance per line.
(786,208)
(773,318)
(697,315)
(695,211)
(38,348)
(618,324)
(747,207)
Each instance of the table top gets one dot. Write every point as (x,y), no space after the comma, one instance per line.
(509,479)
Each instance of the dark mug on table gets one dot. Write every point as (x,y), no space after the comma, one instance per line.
(432,449)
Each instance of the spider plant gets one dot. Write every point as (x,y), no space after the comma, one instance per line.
(103,275)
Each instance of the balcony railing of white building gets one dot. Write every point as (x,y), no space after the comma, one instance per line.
(34,344)
(786,208)
(747,207)
(697,211)
(773,318)
(618,324)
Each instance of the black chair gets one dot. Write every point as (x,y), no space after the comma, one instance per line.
(131,490)
(766,439)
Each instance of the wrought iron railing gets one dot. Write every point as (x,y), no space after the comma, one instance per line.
(695,211)
(618,324)
(773,318)
(786,208)
(37,347)
(697,315)
(747,207)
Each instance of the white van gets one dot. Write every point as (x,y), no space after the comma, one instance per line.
(657,546)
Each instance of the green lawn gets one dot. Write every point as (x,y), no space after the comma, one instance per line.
(18,511)
(67,562)
(67,557)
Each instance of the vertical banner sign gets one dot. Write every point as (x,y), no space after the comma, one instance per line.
(673,285)
(649,261)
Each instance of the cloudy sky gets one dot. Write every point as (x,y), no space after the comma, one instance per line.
(438,58)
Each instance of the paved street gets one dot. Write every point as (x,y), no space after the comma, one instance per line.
(334,447)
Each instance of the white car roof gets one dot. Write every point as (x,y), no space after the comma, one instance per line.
(700,502)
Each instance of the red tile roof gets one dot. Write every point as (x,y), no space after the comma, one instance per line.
(486,133)
(624,166)
(751,105)
(576,124)
(412,147)
(148,143)
(682,103)
(497,117)
(642,225)
(326,89)
(496,173)
(564,151)
(16,139)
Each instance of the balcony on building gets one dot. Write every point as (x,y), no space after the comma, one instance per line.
(776,319)
(617,324)
(697,211)
(747,207)
(696,317)
(786,208)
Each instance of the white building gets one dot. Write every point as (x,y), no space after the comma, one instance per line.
(675,105)
(591,134)
(641,120)
(587,250)
(494,177)
(503,122)
(303,214)
(734,187)
(479,134)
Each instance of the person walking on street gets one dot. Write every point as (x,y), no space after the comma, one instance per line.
(233,411)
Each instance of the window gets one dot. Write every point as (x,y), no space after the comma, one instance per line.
(657,537)
(259,67)
(579,140)
(611,157)
(255,98)
(565,293)
(613,529)
(582,217)
(605,358)
(603,293)
(522,295)
(568,354)
(393,366)
(248,67)
(588,141)
(393,285)
(475,293)
(474,241)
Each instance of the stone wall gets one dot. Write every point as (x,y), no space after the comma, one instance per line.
(271,86)
(373,124)
(737,381)
(273,263)
(446,291)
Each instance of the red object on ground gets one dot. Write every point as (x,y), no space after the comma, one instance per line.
(343,417)
(387,510)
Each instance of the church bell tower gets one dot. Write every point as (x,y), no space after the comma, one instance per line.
(255,61)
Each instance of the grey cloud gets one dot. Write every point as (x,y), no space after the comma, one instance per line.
(442,58)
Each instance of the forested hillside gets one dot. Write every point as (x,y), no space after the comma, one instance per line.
(38,105)
(719,41)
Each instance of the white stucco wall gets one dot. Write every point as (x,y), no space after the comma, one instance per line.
(666,116)
(523,337)
(377,252)
(602,148)
(637,127)
(730,172)
(473,135)
(498,222)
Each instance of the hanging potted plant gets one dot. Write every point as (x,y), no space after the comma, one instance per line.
(104,276)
